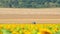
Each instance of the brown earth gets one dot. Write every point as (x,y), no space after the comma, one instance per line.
(15,15)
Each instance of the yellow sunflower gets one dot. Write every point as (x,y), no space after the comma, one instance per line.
(45,31)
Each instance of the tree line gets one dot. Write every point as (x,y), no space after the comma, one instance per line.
(29,3)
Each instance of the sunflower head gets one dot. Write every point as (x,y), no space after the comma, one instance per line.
(45,31)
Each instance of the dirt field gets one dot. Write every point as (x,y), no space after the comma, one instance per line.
(15,15)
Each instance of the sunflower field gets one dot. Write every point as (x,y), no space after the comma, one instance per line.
(29,28)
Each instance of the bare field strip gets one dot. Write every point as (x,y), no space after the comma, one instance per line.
(28,21)
(28,16)
(14,13)
(11,15)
